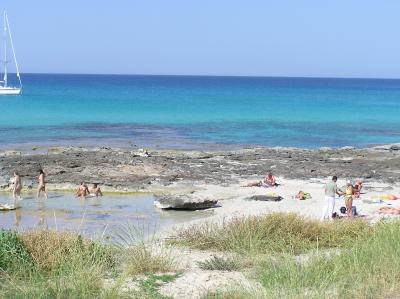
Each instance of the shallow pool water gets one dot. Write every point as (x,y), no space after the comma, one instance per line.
(94,217)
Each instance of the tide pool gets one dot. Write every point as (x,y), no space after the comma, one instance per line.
(94,217)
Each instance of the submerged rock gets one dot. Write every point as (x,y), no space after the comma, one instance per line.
(183,202)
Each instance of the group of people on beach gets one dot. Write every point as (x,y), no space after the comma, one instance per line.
(81,192)
(349,193)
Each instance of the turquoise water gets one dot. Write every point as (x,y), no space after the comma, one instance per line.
(192,112)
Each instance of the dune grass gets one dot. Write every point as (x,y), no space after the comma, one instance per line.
(272,233)
(51,249)
(51,264)
(142,258)
(370,269)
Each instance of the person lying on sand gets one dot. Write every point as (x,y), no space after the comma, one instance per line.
(95,191)
(41,184)
(268,181)
(390,210)
(82,190)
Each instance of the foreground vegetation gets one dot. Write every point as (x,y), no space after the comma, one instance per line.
(50,264)
(286,256)
(274,233)
(301,258)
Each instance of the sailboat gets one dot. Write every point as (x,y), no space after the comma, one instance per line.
(5,89)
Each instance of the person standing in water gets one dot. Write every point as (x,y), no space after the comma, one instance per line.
(17,186)
(331,190)
(41,184)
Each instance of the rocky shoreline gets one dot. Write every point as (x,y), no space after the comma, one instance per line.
(124,170)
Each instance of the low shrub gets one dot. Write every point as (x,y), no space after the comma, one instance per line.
(219,263)
(13,254)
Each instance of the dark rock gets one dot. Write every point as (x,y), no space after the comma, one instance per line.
(183,202)
(395,147)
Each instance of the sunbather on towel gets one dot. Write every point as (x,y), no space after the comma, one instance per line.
(268,181)
(390,210)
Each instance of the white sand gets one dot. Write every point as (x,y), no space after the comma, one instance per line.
(233,203)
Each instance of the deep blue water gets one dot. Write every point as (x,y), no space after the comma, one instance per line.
(193,112)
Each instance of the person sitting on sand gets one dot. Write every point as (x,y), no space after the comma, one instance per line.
(82,190)
(348,199)
(95,191)
(357,188)
(41,184)
(268,181)
(17,186)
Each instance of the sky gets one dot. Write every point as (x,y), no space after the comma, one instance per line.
(308,38)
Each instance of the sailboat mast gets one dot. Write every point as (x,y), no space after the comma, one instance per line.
(12,48)
(5,50)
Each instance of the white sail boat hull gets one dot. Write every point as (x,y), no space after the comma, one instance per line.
(10,91)
(5,89)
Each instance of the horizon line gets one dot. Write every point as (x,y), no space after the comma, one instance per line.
(198,75)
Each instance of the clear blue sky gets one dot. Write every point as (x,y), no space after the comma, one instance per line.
(338,38)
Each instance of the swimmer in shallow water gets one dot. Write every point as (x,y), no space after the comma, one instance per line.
(82,190)
(95,191)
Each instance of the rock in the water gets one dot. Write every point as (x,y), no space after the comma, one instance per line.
(183,202)
(395,147)
(265,198)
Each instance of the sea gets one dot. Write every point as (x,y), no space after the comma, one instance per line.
(199,112)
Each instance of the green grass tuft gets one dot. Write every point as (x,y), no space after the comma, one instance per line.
(143,259)
(219,263)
